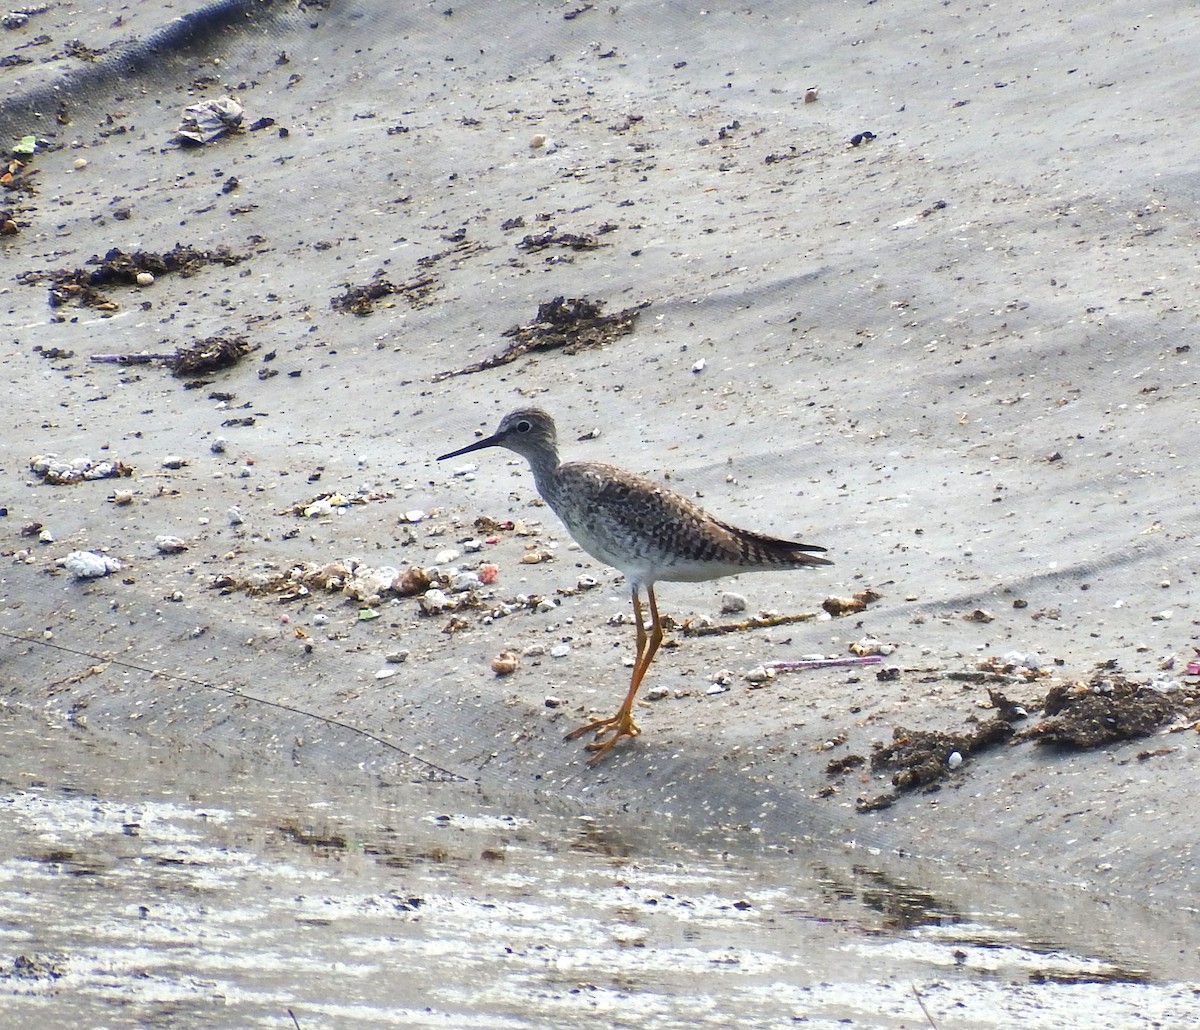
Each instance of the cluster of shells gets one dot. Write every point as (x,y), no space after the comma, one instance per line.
(52,469)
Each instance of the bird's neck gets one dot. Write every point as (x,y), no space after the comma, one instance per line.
(544,464)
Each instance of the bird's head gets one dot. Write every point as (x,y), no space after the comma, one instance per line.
(527,431)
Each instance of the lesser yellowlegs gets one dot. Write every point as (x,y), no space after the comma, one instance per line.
(642,528)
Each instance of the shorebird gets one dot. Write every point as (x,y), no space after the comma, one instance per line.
(642,528)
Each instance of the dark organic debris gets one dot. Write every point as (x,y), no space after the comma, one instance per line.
(207,355)
(210,354)
(360,300)
(553,238)
(570,324)
(1106,710)
(123,269)
(923,756)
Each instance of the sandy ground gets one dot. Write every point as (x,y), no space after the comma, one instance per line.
(957,354)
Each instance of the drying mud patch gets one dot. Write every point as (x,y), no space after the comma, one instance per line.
(1107,709)
(569,324)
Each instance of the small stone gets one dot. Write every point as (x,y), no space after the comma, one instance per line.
(657,694)
(488,573)
(759,674)
(954,760)
(537,141)
(122,498)
(416,515)
(385,674)
(553,702)
(504,664)
(717,688)
(732,603)
(169,544)
(79,163)
(218,445)
(810,95)
(447,556)
(465,581)
(145,278)
(398,657)
(560,650)
(534,651)
(434,601)
(45,537)
(544,606)
(235,516)
(90,565)
(320,619)
(173,461)
(587,583)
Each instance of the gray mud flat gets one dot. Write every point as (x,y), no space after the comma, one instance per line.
(145,887)
(959,352)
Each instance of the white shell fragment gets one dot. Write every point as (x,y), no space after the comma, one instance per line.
(170,544)
(954,760)
(90,565)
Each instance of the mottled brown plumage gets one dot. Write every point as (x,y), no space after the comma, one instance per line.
(643,528)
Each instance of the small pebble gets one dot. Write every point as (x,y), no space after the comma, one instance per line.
(235,516)
(447,556)
(534,651)
(560,650)
(79,162)
(504,664)
(218,445)
(90,565)
(760,674)
(657,694)
(586,582)
(954,760)
(145,278)
(46,537)
(320,619)
(732,603)
(173,461)
(385,674)
(717,688)
(398,657)
(169,544)
(537,141)
(553,702)
(416,515)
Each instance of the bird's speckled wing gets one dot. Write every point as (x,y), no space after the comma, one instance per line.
(649,531)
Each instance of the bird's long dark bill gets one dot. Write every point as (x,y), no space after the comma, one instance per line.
(478,445)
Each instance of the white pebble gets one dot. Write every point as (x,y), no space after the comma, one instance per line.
(320,619)
(169,544)
(173,461)
(717,688)
(465,581)
(732,603)
(90,565)
(416,515)
(235,516)
(434,601)
(385,674)
(46,537)
(145,278)
(587,582)
(954,760)
(447,556)
(760,674)
(560,650)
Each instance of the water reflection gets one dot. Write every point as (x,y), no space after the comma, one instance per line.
(147,886)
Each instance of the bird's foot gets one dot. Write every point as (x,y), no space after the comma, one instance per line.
(608,732)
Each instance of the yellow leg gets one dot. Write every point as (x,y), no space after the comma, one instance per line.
(610,730)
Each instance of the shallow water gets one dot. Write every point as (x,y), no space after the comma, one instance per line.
(146,886)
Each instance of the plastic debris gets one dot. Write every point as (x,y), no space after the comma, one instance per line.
(209,120)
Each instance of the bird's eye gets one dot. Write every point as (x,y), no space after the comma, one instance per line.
(524,426)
